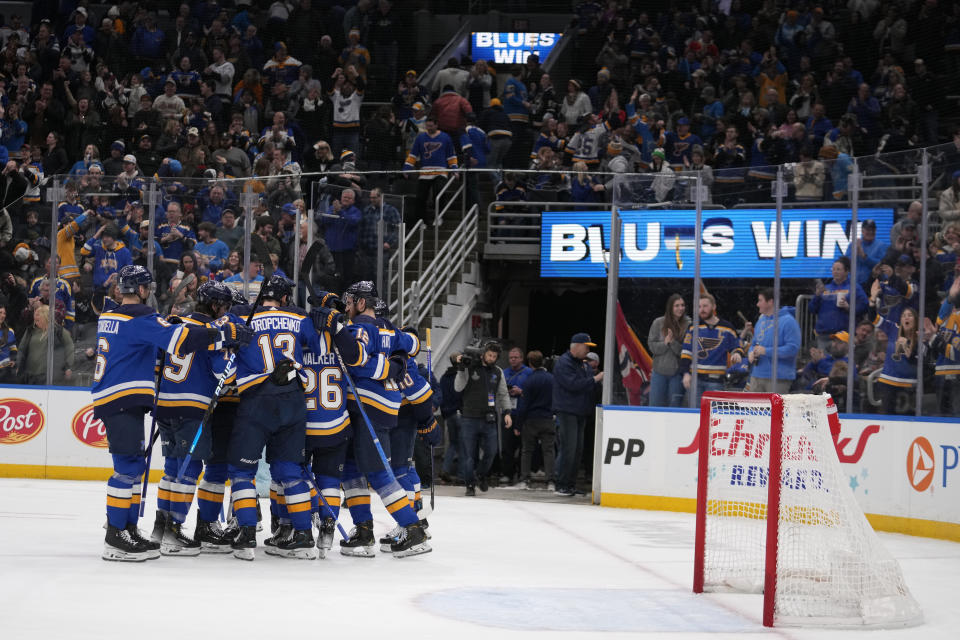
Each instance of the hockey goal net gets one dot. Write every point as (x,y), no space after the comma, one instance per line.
(803,541)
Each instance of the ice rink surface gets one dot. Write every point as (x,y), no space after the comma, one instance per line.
(500,569)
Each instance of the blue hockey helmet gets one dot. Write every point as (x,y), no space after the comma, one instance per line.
(132,277)
(277,287)
(211,293)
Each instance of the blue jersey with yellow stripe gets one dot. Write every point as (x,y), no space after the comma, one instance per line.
(325,393)
(899,370)
(948,326)
(717,342)
(187,382)
(64,294)
(379,395)
(127,341)
(280,333)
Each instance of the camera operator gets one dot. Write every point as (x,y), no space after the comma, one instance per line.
(484,391)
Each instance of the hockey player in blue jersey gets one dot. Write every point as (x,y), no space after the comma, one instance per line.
(211,490)
(123,389)
(328,427)
(272,412)
(380,399)
(415,417)
(186,389)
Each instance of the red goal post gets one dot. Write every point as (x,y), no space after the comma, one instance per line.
(774,515)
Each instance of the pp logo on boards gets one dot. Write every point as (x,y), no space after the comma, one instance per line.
(20,420)
(920,464)
(89,430)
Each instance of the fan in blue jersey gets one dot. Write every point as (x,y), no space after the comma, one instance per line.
(187,385)
(718,348)
(380,398)
(272,413)
(899,374)
(946,346)
(109,256)
(40,288)
(433,152)
(123,389)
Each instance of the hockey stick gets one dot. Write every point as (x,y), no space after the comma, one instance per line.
(154,434)
(429,377)
(356,395)
(221,383)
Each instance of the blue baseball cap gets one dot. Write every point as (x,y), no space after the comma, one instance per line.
(582,338)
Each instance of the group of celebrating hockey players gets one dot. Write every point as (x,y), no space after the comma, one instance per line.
(333,397)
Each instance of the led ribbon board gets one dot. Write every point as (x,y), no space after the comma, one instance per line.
(737,243)
(511,48)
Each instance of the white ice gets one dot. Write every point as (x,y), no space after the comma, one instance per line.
(500,569)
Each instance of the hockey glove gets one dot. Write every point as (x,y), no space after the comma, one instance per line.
(327,318)
(410,329)
(284,373)
(236,335)
(327,299)
(397,363)
(431,433)
(174,319)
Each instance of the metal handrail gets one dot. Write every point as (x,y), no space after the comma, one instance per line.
(397,264)
(524,214)
(447,263)
(804,318)
(438,213)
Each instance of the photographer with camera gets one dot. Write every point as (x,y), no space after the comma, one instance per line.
(484,390)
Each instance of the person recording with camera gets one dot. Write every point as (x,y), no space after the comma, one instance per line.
(484,390)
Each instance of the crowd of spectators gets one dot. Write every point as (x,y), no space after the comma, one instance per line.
(894,344)
(217,99)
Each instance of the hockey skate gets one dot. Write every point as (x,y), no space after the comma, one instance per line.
(282,533)
(426,528)
(211,537)
(325,535)
(153,548)
(119,545)
(245,543)
(159,524)
(176,543)
(298,545)
(387,540)
(411,542)
(361,541)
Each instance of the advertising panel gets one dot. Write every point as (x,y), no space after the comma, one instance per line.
(905,474)
(51,433)
(736,243)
